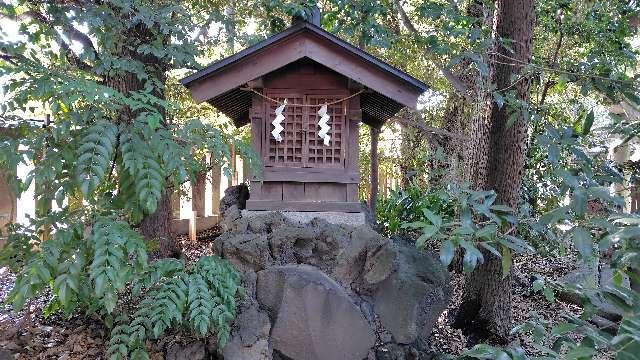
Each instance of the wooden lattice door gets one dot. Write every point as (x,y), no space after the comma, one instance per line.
(301,146)
(289,151)
(319,154)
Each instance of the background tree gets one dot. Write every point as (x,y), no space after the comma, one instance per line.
(496,157)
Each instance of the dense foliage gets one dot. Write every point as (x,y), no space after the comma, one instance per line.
(116,146)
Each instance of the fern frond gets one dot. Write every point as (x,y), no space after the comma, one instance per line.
(94,155)
(117,347)
(113,243)
(145,168)
(200,305)
(163,307)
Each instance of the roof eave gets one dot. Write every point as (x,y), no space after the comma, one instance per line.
(214,67)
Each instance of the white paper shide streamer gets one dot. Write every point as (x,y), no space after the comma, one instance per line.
(324,127)
(277,122)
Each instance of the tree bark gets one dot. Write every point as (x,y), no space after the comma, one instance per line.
(460,108)
(495,161)
(157,228)
(154,227)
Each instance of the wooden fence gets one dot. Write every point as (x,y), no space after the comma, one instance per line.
(196,206)
(389,178)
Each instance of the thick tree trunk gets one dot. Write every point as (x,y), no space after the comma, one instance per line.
(496,161)
(157,228)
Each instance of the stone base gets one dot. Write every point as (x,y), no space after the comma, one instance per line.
(300,217)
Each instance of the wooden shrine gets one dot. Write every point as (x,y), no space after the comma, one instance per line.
(307,67)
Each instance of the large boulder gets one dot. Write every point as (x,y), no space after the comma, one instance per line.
(329,291)
(425,293)
(247,251)
(314,316)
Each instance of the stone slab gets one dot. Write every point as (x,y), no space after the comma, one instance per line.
(301,217)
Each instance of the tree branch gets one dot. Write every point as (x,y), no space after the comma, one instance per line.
(405,19)
(457,84)
(553,63)
(8,58)
(74,34)
(426,129)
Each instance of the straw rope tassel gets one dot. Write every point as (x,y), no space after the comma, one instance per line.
(277,122)
(324,127)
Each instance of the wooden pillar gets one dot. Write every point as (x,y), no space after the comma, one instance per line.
(175,202)
(373,193)
(215,187)
(198,190)
(233,180)
(245,170)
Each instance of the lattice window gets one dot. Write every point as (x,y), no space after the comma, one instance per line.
(289,151)
(301,146)
(320,155)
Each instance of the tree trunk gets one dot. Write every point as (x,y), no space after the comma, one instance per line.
(230,26)
(496,161)
(157,228)
(460,109)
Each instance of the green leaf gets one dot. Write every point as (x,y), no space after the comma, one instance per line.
(563,328)
(588,123)
(487,232)
(498,98)
(516,244)
(447,252)
(95,155)
(582,241)
(580,352)
(538,284)
(506,261)
(549,294)
(435,219)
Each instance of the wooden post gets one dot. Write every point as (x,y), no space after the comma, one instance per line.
(215,187)
(245,170)
(198,189)
(193,226)
(175,203)
(233,180)
(8,205)
(373,193)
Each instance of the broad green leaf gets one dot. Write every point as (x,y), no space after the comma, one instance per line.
(563,328)
(579,352)
(582,241)
(588,123)
(447,252)
(506,261)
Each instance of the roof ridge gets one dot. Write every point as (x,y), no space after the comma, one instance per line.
(301,26)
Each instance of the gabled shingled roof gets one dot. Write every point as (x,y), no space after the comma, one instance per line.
(220,82)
